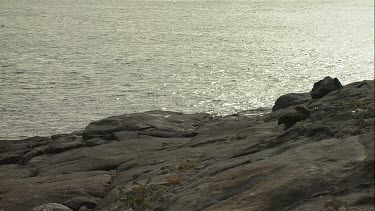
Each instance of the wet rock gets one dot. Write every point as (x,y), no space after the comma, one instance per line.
(325,86)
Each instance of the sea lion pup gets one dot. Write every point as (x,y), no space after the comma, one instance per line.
(291,118)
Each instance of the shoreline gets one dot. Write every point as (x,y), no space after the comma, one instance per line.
(247,112)
(205,162)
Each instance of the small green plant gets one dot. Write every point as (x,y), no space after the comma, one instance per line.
(142,196)
(188,165)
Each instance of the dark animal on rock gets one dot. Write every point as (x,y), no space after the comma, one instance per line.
(302,113)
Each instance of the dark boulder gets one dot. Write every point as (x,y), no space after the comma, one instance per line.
(325,86)
(290,99)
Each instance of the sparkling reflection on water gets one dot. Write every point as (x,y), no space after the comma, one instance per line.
(66,63)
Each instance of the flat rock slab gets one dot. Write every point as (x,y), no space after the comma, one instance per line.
(161,123)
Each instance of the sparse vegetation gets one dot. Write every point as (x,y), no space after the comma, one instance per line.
(325,119)
(142,196)
(275,129)
(362,123)
(174,180)
(334,204)
(356,104)
(188,165)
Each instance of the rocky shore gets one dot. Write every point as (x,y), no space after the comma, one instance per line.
(162,160)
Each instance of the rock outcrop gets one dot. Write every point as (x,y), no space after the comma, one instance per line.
(204,162)
(325,86)
(319,90)
(291,99)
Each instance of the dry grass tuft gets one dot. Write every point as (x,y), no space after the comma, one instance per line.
(174,180)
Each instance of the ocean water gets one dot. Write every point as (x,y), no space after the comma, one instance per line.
(66,63)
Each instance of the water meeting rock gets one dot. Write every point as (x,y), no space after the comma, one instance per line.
(211,163)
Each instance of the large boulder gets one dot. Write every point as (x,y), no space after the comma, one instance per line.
(290,99)
(325,86)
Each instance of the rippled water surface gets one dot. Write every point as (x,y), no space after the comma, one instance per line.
(66,63)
